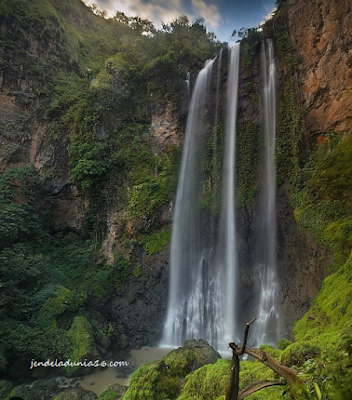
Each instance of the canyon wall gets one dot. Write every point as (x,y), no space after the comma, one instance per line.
(320,32)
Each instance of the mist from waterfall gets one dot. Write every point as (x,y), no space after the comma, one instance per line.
(266,328)
(202,285)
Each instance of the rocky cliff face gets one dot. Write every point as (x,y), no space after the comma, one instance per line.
(321,34)
(28,66)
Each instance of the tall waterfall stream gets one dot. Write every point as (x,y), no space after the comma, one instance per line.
(204,275)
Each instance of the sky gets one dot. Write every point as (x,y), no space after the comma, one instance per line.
(221,16)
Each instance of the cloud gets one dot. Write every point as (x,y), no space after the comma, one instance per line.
(153,10)
(210,12)
(268,16)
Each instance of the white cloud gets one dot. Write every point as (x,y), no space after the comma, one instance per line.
(154,10)
(268,16)
(210,12)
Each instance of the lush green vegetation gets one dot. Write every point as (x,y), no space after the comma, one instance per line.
(96,81)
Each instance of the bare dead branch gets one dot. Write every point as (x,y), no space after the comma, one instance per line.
(234,383)
(256,386)
(287,373)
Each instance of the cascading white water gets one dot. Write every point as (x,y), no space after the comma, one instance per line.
(202,289)
(190,300)
(267,325)
(216,121)
(226,253)
(188,83)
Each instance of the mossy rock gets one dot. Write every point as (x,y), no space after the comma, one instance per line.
(113,392)
(332,308)
(162,380)
(207,383)
(41,389)
(153,382)
(81,337)
(298,353)
(64,300)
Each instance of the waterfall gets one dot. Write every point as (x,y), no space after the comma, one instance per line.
(267,325)
(202,287)
(216,121)
(189,300)
(188,83)
(226,254)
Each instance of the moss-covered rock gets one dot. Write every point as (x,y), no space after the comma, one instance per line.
(162,380)
(81,337)
(64,300)
(298,353)
(41,389)
(153,382)
(207,382)
(113,392)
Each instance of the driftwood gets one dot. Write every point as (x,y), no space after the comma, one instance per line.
(232,390)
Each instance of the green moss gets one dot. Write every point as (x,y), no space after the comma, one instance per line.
(153,187)
(283,344)
(323,203)
(255,371)
(270,350)
(153,382)
(62,301)
(248,143)
(206,383)
(81,337)
(297,353)
(162,380)
(155,242)
(112,393)
(331,309)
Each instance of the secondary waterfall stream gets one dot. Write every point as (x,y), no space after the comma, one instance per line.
(226,254)
(267,327)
